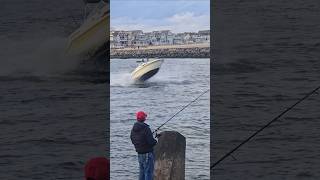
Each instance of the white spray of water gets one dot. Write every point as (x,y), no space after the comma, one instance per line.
(121,79)
(38,57)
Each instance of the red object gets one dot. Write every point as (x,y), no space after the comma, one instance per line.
(141,116)
(97,169)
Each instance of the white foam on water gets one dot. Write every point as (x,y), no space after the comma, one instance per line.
(121,79)
(38,57)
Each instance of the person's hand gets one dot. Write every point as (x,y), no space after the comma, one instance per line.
(158,135)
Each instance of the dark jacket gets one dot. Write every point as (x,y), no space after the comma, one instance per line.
(141,137)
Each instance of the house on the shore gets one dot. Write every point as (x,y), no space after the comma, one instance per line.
(178,39)
(137,38)
(119,39)
(111,40)
(204,36)
(164,37)
(140,40)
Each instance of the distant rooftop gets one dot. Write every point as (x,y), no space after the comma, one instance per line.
(200,31)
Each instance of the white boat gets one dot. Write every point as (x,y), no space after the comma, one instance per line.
(92,35)
(146,70)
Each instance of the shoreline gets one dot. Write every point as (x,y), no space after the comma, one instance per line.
(167,51)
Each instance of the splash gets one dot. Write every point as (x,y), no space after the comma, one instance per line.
(38,57)
(121,79)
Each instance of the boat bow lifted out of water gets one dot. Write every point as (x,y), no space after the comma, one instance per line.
(146,70)
(92,35)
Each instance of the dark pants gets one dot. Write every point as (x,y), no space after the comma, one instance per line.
(146,164)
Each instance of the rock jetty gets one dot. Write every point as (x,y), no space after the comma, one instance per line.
(178,51)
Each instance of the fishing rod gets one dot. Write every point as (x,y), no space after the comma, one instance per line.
(263,127)
(181,110)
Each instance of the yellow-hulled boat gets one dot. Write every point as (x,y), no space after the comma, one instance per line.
(92,35)
(146,70)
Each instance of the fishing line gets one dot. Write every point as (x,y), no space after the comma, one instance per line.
(263,127)
(181,110)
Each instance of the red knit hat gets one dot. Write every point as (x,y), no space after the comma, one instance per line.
(97,169)
(141,116)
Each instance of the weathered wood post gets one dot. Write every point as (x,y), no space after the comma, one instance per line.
(170,156)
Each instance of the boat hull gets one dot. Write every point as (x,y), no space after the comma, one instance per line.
(89,38)
(146,70)
(149,74)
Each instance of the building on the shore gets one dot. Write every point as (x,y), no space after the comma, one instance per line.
(178,38)
(119,39)
(137,38)
(140,40)
(204,35)
(160,37)
(111,40)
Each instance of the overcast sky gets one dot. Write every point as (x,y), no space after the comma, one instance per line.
(149,15)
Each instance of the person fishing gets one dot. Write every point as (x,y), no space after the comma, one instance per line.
(143,141)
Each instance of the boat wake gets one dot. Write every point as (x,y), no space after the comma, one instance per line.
(124,80)
(36,57)
(121,79)
(47,59)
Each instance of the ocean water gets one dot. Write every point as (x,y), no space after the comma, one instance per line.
(266,57)
(52,119)
(178,82)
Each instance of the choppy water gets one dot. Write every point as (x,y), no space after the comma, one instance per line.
(266,57)
(52,121)
(177,83)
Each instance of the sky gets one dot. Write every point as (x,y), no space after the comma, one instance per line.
(151,15)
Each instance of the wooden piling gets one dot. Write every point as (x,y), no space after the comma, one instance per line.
(170,156)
